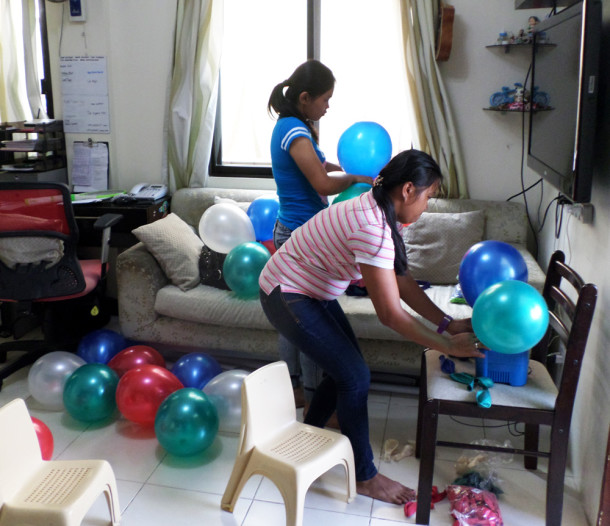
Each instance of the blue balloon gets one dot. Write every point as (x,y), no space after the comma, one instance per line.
(100,346)
(364,148)
(263,213)
(510,317)
(196,369)
(487,263)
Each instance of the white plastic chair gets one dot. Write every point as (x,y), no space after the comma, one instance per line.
(51,493)
(273,444)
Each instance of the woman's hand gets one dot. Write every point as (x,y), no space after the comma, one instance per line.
(465,345)
(459,326)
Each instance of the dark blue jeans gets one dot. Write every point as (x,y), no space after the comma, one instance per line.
(320,330)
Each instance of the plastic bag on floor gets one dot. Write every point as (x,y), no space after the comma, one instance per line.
(473,506)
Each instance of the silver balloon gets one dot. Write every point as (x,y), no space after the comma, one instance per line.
(224,390)
(223,226)
(48,376)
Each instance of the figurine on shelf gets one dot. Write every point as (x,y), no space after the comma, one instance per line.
(518,99)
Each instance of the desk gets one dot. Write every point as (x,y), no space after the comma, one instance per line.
(134,215)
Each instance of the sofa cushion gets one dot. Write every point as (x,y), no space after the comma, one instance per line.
(209,305)
(437,242)
(176,247)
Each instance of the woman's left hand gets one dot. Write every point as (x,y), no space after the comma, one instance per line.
(459,326)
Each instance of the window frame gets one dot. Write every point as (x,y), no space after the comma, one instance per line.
(216,168)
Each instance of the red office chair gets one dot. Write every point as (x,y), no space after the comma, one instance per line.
(42,282)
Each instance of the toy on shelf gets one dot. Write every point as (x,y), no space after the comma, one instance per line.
(519,99)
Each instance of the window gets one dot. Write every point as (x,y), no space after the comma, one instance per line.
(265,41)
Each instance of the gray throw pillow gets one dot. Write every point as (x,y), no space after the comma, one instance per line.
(176,247)
(436,243)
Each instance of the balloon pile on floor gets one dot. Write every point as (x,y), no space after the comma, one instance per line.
(245,237)
(508,315)
(186,405)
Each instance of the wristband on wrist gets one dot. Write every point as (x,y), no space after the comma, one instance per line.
(442,326)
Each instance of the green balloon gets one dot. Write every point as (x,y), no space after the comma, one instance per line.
(243,266)
(89,392)
(186,422)
(353,191)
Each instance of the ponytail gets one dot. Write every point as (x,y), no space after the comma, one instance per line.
(311,77)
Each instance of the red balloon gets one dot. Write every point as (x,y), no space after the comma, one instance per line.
(269,245)
(135,356)
(141,391)
(45,438)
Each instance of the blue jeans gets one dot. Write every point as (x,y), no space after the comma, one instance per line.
(300,366)
(320,330)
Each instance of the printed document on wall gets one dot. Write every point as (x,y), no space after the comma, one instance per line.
(84,89)
(90,166)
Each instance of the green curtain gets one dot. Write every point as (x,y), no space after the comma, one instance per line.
(436,130)
(194,91)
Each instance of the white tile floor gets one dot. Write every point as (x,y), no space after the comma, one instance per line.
(157,489)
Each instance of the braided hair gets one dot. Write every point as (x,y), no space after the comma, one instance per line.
(311,77)
(412,166)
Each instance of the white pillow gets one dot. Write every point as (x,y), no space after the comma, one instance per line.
(436,243)
(176,247)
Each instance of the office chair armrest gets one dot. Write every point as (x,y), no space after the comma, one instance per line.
(105,224)
(106,221)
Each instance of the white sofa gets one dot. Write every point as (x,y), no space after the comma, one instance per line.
(154,311)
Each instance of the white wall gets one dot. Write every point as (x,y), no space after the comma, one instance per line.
(136,37)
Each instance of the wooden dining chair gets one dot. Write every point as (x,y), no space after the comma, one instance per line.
(541,401)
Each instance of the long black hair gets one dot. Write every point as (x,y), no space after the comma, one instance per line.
(311,77)
(412,166)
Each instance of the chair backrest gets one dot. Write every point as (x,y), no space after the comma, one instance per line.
(38,241)
(267,403)
(571,304)
(19,448)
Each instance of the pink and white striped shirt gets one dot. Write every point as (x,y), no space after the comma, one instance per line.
(323,256)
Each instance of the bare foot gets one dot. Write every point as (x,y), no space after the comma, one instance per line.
(382,488)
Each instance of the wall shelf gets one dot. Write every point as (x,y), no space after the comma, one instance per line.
(507,47)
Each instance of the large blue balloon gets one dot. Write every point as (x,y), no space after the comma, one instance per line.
(510,317)
(196,369)
(263,213)
(100,346)
(487,263)
(364,148)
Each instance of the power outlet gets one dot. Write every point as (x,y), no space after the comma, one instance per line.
(581,211)
(77,11)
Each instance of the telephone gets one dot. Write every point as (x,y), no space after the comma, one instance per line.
(148,192)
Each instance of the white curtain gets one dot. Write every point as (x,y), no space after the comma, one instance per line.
(194,91)
(13,103)
(31,46)
(437,134)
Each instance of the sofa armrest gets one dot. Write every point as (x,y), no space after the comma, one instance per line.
(139,278)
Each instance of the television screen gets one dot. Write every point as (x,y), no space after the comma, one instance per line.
(561,140)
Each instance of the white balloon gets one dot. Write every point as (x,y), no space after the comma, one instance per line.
(48,375)
(223,226)
(224,390)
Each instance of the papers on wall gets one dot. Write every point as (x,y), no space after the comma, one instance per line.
(90,166)
(84,89)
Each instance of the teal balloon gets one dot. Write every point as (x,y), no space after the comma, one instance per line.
(89,392)
(186,422)
(364,148)
(353,191)
(243,266)
(510,317)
